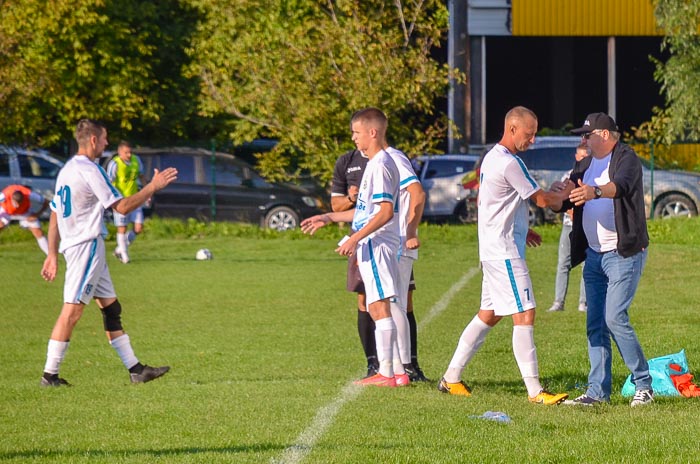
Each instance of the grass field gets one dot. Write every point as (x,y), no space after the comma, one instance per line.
(263,347)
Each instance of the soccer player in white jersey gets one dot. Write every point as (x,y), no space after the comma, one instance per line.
(83,192)
(375,238)
(411,204)
(506,289)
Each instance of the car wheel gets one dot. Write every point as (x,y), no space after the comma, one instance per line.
(463,215)
(281,218)
(675,205)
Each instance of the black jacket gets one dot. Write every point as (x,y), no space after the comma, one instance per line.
(630,216)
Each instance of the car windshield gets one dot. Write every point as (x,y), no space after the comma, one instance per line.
(448,168)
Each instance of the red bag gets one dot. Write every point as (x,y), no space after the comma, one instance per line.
(684,383)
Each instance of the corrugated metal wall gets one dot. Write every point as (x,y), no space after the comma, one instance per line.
(583,18)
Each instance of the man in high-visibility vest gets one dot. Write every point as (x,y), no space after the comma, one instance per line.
(125,171)
(20,202)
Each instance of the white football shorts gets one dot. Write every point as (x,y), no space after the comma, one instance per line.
(506,287)
(123,220)
(87,275)
(379,269)
(23,222)
(405,270)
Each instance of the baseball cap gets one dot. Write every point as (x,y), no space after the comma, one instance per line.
(596,121)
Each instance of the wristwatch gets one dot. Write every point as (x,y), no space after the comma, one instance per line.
(598,192)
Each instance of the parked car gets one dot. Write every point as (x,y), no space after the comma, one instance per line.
(36,169)
(676,193)
(442,177)
(223,187)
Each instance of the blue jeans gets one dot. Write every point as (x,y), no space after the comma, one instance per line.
(561,284)
(611,282)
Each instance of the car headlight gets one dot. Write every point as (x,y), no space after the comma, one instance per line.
(312,201)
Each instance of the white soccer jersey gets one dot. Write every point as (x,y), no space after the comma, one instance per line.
(83,192)
(407,176)
(505,186)
(380,183)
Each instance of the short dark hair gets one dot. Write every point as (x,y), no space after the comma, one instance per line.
(371,115)
(17,196)
(86,128)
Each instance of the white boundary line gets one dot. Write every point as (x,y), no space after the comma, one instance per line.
(325,416)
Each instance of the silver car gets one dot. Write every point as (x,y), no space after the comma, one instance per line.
(675,193)
(442,177)
(35,169)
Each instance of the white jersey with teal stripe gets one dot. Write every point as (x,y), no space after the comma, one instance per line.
(407,176)
(83,192)
(505,186)
(380,183)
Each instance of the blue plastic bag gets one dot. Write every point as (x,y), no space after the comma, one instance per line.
(661,373)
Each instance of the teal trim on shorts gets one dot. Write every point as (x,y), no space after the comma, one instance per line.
(87,269)
(380,290)
(514,286)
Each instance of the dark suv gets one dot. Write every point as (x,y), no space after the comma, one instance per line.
(222,187)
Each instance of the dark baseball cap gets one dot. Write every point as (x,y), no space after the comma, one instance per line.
(596,121)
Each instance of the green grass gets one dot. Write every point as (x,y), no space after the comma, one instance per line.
(263,337)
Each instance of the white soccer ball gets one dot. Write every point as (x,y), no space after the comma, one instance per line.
(203,255)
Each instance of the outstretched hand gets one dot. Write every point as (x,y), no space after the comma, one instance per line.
(580,194)
(161,179)
(312,224)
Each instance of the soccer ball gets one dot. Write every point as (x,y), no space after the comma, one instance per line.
(203,255)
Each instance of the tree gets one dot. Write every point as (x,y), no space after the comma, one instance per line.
(295,70)
(119,61)
(679,76)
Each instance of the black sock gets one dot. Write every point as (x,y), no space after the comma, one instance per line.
(136,368)
(365,328)
(414,336)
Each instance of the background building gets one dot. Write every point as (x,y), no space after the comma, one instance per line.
(561,58)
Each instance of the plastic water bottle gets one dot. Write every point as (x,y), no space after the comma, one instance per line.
(496,416)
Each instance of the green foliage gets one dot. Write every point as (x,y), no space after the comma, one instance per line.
(680,75)
(296,70)
(115,60)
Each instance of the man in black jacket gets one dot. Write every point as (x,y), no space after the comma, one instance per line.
(610,233)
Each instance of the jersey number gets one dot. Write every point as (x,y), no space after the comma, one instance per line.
(64,196)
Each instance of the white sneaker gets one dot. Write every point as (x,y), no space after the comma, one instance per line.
(583,307)
(556,306)
(123,257)
(642,397)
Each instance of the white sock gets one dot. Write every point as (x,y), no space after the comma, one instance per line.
(469,343)
(130,237)
(403,334)
(55,353)
(43,244)
(121,244)
(122,345)
(526,357)
(385,337)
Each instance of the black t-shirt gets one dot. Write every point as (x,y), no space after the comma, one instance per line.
(348,172)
